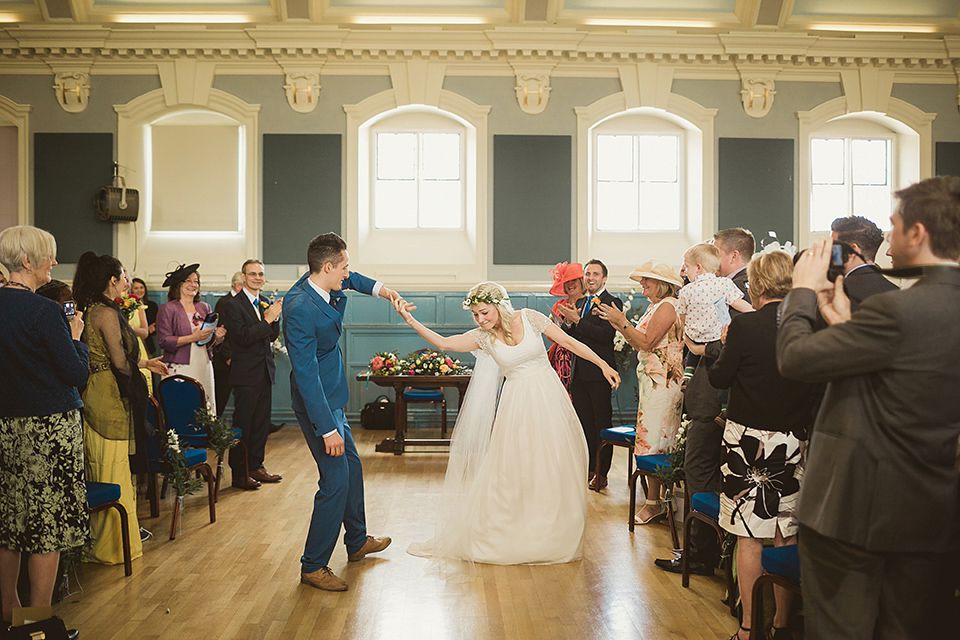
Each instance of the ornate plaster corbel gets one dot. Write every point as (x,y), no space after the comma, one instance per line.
(72,89)
(533,86)
(302,87)
(757,90)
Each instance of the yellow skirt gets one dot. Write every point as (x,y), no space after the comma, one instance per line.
(108,461)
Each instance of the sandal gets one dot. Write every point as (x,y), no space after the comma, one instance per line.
(736,634)
(656,516)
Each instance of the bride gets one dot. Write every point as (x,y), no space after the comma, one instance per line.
(515,490)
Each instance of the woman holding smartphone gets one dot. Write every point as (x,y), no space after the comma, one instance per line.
(187,345)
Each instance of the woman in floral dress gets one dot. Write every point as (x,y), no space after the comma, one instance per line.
(568,283)
(658,339)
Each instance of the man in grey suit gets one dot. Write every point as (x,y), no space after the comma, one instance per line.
(880,500)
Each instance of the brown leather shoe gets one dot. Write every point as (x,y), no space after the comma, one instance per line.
(247,484)
(263,475)
(324,579)
(372,545)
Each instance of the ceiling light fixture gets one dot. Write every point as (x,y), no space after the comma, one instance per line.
(418,20)
(183,18)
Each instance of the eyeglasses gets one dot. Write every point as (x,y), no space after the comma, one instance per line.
(257,274)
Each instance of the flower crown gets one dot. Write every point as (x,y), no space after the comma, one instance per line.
(477,298)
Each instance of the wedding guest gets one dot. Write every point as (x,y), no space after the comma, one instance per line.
(139,289)
(223,357)
(658,339)
(41,442)
(137,319)
(568,283)
(114,401)
(57,291)
(180,328)
(768,418)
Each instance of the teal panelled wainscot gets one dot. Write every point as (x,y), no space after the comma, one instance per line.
(371,325)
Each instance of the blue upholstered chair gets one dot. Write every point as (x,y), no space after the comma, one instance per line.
(103,495)
(195,459)
(706,508)
(430,395)
(622,436)
(781,567)
(180,397)
(650,465)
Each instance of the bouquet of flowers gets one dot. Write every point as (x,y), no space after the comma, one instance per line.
(674,474)
(386,363)
(177,475)
(129,304)
(428,362)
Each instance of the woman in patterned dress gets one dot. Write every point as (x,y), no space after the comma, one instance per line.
(567,282)
(658,339)
(765,436)
(43,507)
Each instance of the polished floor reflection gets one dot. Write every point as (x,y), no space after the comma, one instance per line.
(239,578)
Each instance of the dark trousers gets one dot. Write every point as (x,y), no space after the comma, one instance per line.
(701,462)
(222,386)
(591,401)
(252,416)
(850,592)
(339,497)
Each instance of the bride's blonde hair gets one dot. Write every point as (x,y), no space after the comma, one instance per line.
(493,294)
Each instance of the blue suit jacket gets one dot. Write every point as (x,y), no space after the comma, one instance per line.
(312,328)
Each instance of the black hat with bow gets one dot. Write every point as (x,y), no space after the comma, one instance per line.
(180,274)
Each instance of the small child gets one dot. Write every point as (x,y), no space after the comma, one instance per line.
(697,300)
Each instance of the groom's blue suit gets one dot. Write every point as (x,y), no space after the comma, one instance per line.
(318,386)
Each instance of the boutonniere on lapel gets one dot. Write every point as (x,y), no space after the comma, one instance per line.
(594,301)
(264,305)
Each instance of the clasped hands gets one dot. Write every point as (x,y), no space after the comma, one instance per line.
(810,272)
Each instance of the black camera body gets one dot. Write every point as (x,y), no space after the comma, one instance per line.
(839,254)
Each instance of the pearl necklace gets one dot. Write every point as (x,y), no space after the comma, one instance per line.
(19,285)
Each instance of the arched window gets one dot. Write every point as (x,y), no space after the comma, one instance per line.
(416,190)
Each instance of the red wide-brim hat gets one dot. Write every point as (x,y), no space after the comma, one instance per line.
(563,273)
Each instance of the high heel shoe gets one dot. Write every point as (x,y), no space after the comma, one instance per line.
(656,516)
(736,634)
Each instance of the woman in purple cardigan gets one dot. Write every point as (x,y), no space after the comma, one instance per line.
(179,323)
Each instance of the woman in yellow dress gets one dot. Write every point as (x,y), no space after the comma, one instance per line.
(114,400)
(137,317)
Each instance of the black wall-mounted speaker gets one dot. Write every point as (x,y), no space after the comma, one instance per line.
(117,204)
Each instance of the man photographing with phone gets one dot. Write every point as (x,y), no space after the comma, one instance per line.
(880,500)
(859,239)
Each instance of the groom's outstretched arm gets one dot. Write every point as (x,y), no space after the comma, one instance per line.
(369,286)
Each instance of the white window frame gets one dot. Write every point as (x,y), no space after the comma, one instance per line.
(911,151)
(417,257)
(620,250)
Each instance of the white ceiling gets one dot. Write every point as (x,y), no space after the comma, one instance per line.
(704,16)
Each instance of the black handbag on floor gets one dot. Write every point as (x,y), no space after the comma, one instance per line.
(49,629)
(378,414)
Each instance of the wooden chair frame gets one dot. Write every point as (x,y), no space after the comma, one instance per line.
(124,531)
(616,443)
(408,400)
(756,622)
(671,520)
(727,560)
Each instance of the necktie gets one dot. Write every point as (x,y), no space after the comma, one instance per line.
(256,308)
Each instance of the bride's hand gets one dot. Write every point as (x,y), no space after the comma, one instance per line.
(612,376)
(404,308)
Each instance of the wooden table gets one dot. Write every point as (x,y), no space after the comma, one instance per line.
(398,443)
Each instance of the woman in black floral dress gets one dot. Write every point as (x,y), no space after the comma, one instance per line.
(765,435)
(42,496)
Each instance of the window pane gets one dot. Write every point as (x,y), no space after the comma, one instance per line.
(615,158)
(395,204)
(440,204)
(440,156)
(826,160)
(396,156)
(617,206)
(869,159)
(828,203)
(660,206)
(658,158)
(873,203)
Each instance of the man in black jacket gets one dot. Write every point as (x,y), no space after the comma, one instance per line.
(861,277)
(252,323)
(222,356)
(589,390)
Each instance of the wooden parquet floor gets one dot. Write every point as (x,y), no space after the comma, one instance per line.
(239,577)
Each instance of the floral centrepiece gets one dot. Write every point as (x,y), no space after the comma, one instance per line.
(387,363)
(418,363)
(129,304)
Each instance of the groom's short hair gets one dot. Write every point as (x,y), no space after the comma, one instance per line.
(323,249)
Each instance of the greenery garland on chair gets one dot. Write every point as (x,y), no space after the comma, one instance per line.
(219,435)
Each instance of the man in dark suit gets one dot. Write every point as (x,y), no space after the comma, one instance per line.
(701,464)
(589,390)
(252,323)
(880,498)
(861,277)
(221,357)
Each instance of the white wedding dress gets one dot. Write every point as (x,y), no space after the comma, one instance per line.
(515,490)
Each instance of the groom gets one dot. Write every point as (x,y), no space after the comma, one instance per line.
(312,324)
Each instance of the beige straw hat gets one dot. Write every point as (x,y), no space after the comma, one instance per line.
(658,271)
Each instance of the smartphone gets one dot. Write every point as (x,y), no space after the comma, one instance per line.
(839,254)
(70,308)
(209,322)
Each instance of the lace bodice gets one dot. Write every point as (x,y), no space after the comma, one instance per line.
(527,357)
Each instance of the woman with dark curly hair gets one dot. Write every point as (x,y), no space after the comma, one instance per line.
(114,400)
(768,417)
(43,507)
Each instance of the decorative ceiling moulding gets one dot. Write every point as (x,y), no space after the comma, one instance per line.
(302,85)
(71,84)
(757,90)
(646,84)
(533,86)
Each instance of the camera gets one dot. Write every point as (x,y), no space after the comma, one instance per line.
(70,308)
(839,254)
